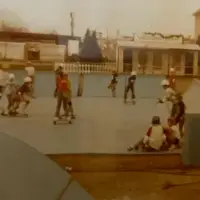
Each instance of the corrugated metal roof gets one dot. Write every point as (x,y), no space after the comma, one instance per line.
(157,45)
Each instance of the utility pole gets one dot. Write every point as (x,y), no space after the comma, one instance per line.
(72,23)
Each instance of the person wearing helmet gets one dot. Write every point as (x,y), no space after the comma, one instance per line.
(172,79)
(23,95)
(154,139)
(113,83)
(10,90)
(177,116)
(130,86)
(31,73)
(4,76)
(58,74)
(63,96)
(168,91)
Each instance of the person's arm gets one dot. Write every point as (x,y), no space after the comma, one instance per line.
(148,134)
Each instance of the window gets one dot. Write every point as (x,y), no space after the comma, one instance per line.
(157,59)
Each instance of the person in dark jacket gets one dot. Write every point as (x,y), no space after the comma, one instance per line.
(130,87)
(113,83)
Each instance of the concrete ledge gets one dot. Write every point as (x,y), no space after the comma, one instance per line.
(117,162)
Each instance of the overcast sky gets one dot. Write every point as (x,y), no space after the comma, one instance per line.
(130,16)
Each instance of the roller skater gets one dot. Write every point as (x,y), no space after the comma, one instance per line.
(177,117)
(113,83)
(169,94)
(172,79)
(63,98)
(31,73)
(4,77)
(23,96)
(130,86)
(10,91)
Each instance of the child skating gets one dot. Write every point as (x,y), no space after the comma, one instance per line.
(130,87)
(63,98)
(113,83)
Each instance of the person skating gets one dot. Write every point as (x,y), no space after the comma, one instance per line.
(23,96)
(130,87)
(177,116)
(113,83)
(63,97)
(169,93)
(10,91)
(4,77)
(31,73)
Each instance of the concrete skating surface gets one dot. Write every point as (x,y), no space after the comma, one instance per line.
(95,85)
(103,125)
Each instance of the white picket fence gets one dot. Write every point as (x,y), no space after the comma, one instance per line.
(87,68)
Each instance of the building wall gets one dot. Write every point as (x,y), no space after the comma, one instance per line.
(197,26)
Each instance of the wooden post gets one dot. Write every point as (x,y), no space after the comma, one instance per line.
(80,84)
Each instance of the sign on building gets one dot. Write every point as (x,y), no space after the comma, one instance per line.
(49,52)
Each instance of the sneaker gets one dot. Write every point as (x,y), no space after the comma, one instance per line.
(130,148)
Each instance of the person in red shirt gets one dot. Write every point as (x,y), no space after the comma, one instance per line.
(172,78)
(63,96)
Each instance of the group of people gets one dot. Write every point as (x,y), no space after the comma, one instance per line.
(158,136)
(18,97)
(130,85)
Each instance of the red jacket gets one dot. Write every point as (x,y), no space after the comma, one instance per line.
(172,82)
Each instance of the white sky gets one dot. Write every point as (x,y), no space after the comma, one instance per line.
(130,16)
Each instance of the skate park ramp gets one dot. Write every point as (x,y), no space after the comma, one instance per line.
(95,84)
(192,97)
(191,148)
(28,175)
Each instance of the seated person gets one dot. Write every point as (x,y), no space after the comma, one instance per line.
(173,137)
(155,138)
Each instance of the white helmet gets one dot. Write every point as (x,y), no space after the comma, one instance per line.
(11,76)
(27,79)
(165,83)
(172,70)
(133,73)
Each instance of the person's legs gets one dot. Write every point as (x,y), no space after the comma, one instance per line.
(126,92)
(132,92)
(26,101)
(59,103)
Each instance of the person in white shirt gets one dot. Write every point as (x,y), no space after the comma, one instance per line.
(154,139)
(4,77)
(169,94)
(31,73)
(10,90)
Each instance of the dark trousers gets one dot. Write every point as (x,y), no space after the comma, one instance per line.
(61,101)
(129,88)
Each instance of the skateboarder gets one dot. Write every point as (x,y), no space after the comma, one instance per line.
(130,86)
(63,96)
(113,83)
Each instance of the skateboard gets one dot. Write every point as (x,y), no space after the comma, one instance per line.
(62,119)
(15,115)
(130,101)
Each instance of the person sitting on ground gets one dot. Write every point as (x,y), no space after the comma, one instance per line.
(155,138)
